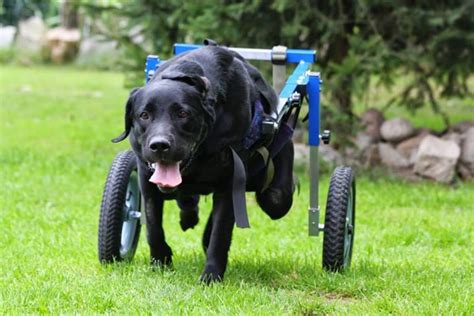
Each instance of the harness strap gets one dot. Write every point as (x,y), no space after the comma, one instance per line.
(270,168)
(239,181)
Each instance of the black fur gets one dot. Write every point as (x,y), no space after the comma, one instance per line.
(216,89)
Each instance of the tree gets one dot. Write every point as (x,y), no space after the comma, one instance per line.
(429,43)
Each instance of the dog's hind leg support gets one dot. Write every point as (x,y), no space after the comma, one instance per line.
(276,201)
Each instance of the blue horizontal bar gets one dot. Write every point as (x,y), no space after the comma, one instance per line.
(296,55)
(181,48)
(292,55)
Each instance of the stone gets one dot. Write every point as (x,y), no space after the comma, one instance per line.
(464,172)
(467,154)
(363,141)
(396,130)
(63,44)
(301,153)
(437,158)
(462,127)
(96,51)
(31,35)
(330,155)
(7,35)
(371,120)
(409,147)
(453,136)
(389,156)
(326,153)
(299,135)
(371,156)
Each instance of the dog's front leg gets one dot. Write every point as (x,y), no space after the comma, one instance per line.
(160,252)
(220,237)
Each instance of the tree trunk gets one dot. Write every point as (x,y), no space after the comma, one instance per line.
(69,14)
(343,120)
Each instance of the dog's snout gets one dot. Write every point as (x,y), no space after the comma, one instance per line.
(159,144)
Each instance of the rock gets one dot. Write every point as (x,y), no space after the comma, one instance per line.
(63,44)
(363,141)
(389,156)
(437,158)
(326,153)
(330,155)
(464,172)
(396,130)
(371,156)
(301,153)
(31,35)
(96,51)
(467,154)
(298,135)
(371,120)
(462,127)
(453,136)
(409,147)
(7,34)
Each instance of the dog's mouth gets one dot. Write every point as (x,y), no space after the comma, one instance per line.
(166,175)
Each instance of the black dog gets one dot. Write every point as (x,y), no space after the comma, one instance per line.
(182,126)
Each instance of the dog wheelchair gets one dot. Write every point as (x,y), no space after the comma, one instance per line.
(121,214)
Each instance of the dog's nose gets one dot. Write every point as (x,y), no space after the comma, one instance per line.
(159,144)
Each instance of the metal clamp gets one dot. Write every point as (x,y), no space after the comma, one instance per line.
(279,54)
(269,126)
(326,136)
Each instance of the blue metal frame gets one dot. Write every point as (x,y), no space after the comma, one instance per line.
(294,56)
(314,108)
(301,81)
(151,65)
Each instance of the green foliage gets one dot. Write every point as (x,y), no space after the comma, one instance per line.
(429,43)
(413,245)
(12,11)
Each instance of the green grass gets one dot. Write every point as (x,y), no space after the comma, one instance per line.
(413,253)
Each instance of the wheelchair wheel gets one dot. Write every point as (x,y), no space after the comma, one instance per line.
(340,219)
(119,223)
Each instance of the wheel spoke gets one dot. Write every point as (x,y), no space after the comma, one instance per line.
(131,218)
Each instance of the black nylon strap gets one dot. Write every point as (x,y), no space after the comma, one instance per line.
(238,192)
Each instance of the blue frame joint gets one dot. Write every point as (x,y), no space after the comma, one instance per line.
(314,85)
(297,78)
(151,65)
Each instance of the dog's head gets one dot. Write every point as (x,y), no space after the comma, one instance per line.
(167,120)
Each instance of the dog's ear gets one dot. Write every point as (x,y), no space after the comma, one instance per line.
(128,116)
(201,83)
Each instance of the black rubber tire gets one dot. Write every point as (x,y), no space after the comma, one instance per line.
(112,210)
(339,223)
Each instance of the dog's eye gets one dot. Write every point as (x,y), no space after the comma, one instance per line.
(183,114)
(144,116)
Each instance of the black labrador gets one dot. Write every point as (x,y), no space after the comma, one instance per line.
(181,126)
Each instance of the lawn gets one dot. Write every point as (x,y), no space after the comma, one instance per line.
(414,251)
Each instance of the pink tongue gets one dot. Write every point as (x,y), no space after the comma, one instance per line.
(166,175)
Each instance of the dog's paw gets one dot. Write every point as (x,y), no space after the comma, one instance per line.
(211,277)
(188,219)
(161,257)
(164,262)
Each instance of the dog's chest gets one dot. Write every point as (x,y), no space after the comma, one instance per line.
(208,174)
